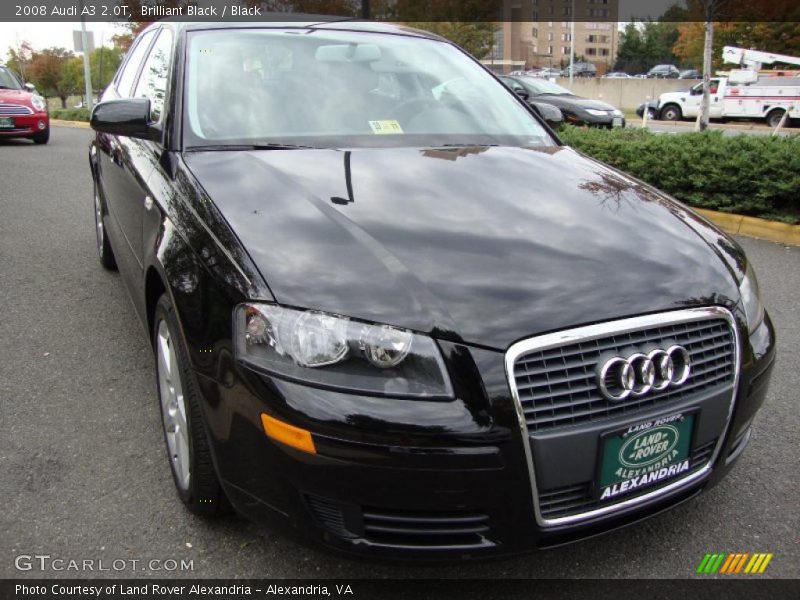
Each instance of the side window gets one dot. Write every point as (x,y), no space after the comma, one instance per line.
(128,74)
(155,75)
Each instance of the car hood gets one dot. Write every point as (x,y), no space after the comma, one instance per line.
(573,102)
(15,97)
(485,245)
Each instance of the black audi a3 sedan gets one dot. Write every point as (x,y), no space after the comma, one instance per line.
(396,314)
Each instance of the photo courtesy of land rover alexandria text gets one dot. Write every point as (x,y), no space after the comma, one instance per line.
(391,313)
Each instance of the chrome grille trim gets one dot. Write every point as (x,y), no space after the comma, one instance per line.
(590,332)
(571,499)
(14,110)
(557,388)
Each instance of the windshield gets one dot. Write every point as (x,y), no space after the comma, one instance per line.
(542,86)
(320,88)
(8,80)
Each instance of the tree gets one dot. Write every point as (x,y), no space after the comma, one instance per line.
(72,76)
(104,63)
(19,58)
(778,37)
(429,11)
(630,56)
(645,45)
(345,8)
(475,38)
(46,71)
(659,39)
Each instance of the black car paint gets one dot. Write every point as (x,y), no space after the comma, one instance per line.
(573,107)
(399,248)
(569,241)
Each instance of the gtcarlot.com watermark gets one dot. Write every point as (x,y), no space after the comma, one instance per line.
(46,562)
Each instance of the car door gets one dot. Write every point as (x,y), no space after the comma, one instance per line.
(692,100)
(145,155)
(119,170)
(717,94)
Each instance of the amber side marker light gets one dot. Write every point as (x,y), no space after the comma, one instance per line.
(288,434)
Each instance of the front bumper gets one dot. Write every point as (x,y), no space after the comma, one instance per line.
(607,121)
(424,479)
(27,125)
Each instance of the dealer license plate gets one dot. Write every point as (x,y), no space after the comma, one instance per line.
(616,122)
(6,123)
(643,455)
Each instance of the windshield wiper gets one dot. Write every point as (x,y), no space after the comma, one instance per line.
(6,87)
(234,147)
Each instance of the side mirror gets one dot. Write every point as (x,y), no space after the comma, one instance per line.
(129,117)
(695,91)
(522,94)
(30,87)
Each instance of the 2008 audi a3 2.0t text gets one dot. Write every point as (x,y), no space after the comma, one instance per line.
(389,309)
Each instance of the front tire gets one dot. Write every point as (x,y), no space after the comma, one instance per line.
(104,251)
(671,112)
(42,137)
(188,449)
(774,117)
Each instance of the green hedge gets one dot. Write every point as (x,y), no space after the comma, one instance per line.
(70,114)
(745,174)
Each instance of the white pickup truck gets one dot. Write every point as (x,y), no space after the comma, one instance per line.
(744,94)
(766,98)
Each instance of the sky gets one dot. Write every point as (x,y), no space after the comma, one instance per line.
(45,35)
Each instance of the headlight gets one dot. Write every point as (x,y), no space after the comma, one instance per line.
(597,113)
(38,103)
(617,113)
(321,349)
(751,299)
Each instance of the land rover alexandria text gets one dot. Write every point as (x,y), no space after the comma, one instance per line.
(391,313)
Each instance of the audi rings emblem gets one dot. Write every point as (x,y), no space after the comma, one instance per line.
(641,373)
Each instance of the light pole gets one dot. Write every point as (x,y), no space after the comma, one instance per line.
(87,71)
(572,45)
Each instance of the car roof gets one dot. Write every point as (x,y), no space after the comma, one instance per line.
(301,21)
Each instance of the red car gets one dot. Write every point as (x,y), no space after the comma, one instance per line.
(23,113)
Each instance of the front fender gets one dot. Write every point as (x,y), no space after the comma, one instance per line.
(193,256)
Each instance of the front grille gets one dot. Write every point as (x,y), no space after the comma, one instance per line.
(557,387)
(329,514)
(575,499)
(14,110)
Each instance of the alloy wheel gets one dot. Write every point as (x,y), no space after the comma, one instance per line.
(98,224)
(173,406)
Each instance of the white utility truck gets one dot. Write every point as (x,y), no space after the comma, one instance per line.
(742,93)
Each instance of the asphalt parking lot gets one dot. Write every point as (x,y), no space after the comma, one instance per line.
(82,469)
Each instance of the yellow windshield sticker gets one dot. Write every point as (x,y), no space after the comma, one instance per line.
(385,127)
